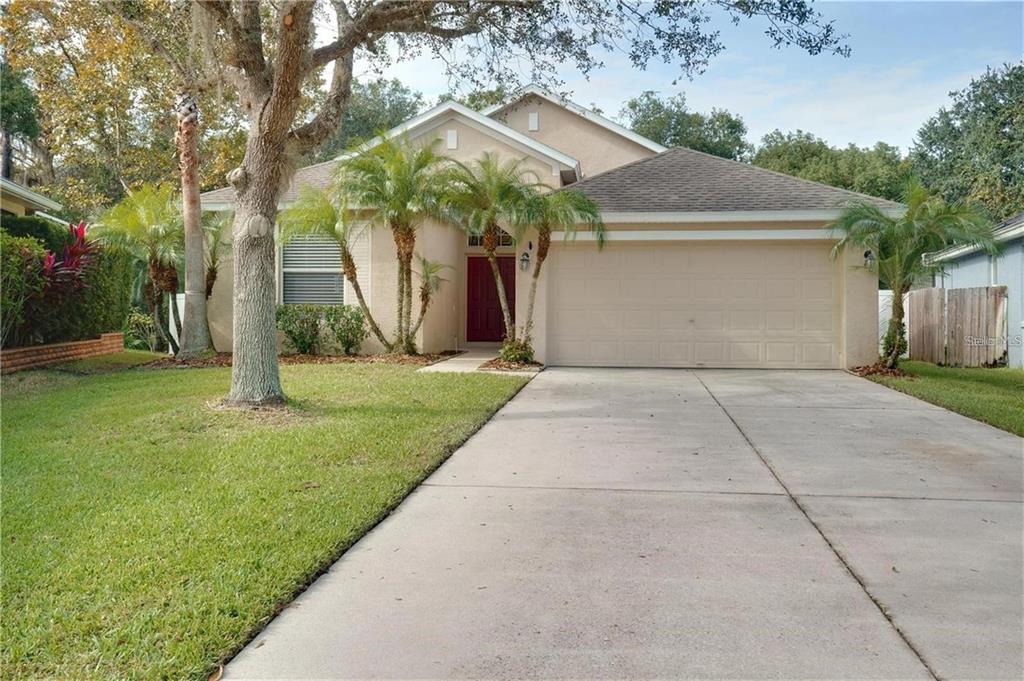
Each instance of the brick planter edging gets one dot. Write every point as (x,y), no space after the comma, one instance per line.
(32,356)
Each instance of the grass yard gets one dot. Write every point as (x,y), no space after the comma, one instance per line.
(112,362)
(995,396)
(148,534)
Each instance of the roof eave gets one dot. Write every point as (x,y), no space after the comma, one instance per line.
(1000,235)
(38,201)
(675,217)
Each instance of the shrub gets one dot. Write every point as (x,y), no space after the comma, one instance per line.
(301,326)
(21,281)
(140,331)
(52,236)
(519,351)
(894,336)
(347,324)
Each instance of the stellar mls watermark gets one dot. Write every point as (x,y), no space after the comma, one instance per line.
(993,341)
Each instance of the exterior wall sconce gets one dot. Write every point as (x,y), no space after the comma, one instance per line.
(524,261)
(869,258)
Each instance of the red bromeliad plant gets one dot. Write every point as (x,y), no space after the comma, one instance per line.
(63,276)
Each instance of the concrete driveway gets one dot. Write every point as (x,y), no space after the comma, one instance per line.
(614,523)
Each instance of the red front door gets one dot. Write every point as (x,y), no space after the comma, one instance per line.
(484,321)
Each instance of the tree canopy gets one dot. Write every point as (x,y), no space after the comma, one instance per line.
(879,170)
(974,149)
(17,105)
(671,123)
(375,105)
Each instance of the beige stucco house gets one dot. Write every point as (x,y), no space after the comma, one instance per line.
(709,262)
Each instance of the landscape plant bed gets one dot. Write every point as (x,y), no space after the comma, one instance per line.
(498,364)
(223,359)
(994,396)
(147,535)
(878,369)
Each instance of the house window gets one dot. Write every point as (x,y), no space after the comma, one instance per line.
(477,240)
(534,121)
(311,272)
(452,138)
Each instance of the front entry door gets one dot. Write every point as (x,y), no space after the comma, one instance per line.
(484,321)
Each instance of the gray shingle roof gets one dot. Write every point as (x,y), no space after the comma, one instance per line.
(684,180)
(318,175)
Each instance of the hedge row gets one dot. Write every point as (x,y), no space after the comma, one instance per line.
(100,306)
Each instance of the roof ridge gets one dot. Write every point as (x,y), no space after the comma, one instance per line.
(645,159)
(751,166)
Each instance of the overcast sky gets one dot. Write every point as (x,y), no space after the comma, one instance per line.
(907,57)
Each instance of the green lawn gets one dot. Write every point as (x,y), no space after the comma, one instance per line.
(995,396)
(149,534)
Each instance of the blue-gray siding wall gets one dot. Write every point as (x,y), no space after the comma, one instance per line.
(974,270)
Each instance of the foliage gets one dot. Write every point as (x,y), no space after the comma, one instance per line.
(301,326)
(105,100)
(374,105)
(974,149)
(216,229)
(516,350)
(120,487)
(670,123)
(993,396)
(895,341)
(140,331)
(18,104)
(52,235)
(876,171)
(898,245)
(478,99)
(21,280)
(347,326)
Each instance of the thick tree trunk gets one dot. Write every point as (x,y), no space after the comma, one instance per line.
(255,379)
(6,154)
(195,334)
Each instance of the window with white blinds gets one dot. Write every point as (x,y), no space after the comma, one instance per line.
(311,269)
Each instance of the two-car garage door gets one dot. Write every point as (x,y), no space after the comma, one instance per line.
(694,304)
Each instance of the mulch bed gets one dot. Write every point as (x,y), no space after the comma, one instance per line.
(498,364)
(879,370)
(223,359)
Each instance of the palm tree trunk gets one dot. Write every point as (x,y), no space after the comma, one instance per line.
(424,304)
(156,309)
(400,302)
(510,331)
(194,338)
(410,334)
(349,269)
(543,244)
(892,360)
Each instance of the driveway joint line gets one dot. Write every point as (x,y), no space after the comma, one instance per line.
(903,498)
(821,533)
(655,490)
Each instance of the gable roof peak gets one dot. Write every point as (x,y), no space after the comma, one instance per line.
(533,89)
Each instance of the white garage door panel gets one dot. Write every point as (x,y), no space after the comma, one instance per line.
(686,304)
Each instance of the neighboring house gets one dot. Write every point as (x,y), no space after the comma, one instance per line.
(17,199)
(968,266)
(709,262)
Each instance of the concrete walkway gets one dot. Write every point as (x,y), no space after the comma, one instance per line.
(464,362)
(684,524)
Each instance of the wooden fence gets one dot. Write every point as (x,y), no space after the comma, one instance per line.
(959,327)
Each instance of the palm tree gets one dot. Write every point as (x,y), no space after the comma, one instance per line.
(430,283)
(562,211)
(483,194)
(895,246)
(147,223)
(315,212)
(215,226)
(402,184)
